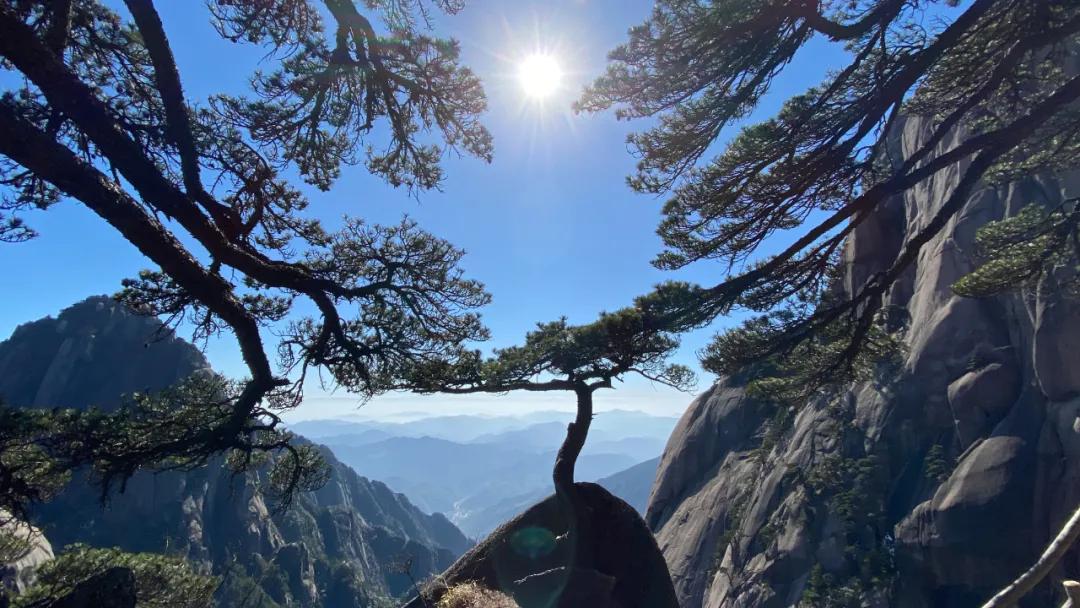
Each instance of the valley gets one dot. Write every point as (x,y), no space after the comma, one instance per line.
(481,470)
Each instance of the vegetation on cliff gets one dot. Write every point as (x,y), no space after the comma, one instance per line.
(822,166)
(97,113)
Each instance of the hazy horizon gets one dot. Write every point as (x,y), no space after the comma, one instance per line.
(405,407)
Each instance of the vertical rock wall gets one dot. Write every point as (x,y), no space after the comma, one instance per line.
(932,489)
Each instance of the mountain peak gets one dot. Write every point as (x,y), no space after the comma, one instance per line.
(351,529)
(92,354)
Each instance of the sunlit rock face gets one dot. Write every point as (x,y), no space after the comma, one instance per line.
(91,355)
(335,547)
(958,471)
(35,551)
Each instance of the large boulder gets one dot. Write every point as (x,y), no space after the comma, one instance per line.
(33,550)
(1056,357)
(530,559)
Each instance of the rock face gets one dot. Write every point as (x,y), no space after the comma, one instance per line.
(19,575)
(336,546)
(91,354)
(934,487)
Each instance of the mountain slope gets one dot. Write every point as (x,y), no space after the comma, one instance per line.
(478,486)
(335,547)
(932,488)
(482,479)
(91,354)
(634,484)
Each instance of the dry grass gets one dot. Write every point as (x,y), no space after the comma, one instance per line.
(472,595)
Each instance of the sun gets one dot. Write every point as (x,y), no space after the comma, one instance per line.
(540,76)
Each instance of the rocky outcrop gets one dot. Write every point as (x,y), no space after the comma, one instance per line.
(32,549)
(337,546)
(932,487)
(534,560)
(93,353)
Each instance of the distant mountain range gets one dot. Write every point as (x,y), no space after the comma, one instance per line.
(482,470)
(335,548)
(540,429)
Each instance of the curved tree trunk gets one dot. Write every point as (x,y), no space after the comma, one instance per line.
(563,476)
(576,433)
(1027,581)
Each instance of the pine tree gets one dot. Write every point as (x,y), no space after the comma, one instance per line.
(94,110)
(582,359)
(992,69)
(1019,251)
(159,581)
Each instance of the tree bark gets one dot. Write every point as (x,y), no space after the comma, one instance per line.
(1027,581)
(55,163)
(576,433)
(563,476)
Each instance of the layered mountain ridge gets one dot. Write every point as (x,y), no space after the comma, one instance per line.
(339,546)
(491,468)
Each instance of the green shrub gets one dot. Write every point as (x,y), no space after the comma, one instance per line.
(160,581)
(473,595)
(936,467)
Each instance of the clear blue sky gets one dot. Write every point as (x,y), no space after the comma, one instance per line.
(550,226)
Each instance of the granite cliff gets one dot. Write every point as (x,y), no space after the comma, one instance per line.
(335,547)
(934,487)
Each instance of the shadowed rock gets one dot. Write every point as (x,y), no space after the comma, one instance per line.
(527,559)
(113,588)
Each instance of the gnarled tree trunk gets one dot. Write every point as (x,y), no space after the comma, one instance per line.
(563,476)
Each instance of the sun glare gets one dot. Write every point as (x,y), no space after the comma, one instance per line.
(540,76)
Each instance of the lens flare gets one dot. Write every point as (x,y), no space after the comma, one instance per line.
(533,542)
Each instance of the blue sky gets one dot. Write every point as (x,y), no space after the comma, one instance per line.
(550,226)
